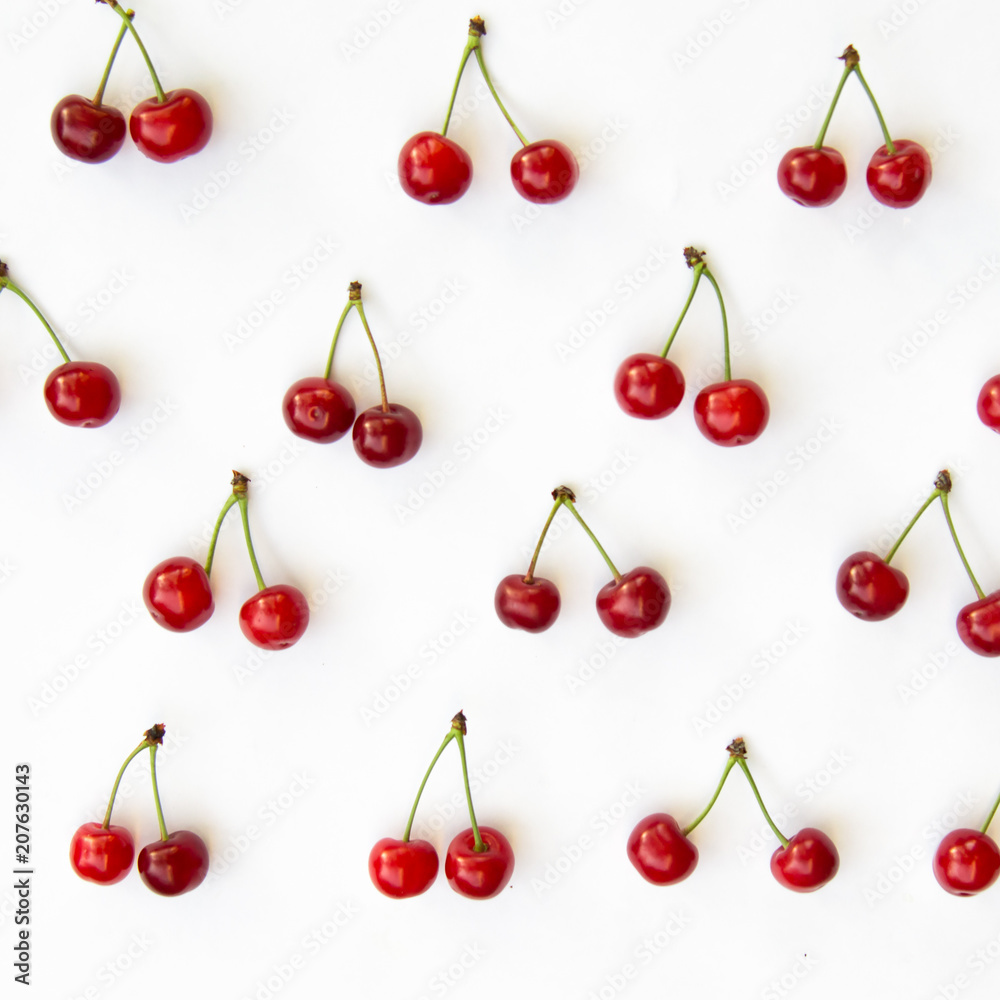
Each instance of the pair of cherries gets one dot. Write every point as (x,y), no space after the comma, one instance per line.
(103,854)
(478,863)
(166,128)
(815,176)
(631,604)
(178,594)
(648,386)
(662,853)
(435,170)
(872,590)
(321,410)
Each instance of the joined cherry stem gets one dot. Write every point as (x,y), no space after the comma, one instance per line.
(698,270)
(242,500)
(529,577)
(760,802)
(117,8)
(727,374)
(852,64)
(118,780)
(711,802)
(913,521)
(230,500)
(336,337)
(6,282)
(420,790)
(568,501)
(378,363)
(890,147)
(818,144)
(479,847)
(354,302)
(989,819)
(156,792)
(954,537)
(99,96)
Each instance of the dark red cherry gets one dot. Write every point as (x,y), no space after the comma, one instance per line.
(812,177)
(169,130)
(900,179)
(175,865)
(731,413)
(434,169)
(532,607)
(544,171)
(275,617)
(660,851)
(385,437)
(870,588)
(102,855)
(648,386)
(807,862)
(966,862)
(636,603)
(318,409)
(88,132)
(178,595)
(82,394)
(402,868)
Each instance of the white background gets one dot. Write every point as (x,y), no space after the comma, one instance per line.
(157,266)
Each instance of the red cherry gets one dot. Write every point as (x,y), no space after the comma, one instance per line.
(85,131)
(731,413)
(276,617)
(988,404)
(870,588)
(175,865)
(660,852)
(178,595)
(101,855)
(169,130)
(899,180)
(979,625)
(648,386)
(82,394)
(544,172)
(636,603)
(387,437)
(966,862)
(479,874)
(402,868)
(433,169)
(529,606)
(808,861)
(318,409)
(812,177)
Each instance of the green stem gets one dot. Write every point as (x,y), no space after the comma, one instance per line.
(479,846)
(890,148)
(215,534)
(156,792)
(707,809)
(530,575)
(496,96)
(746,770)
(725,324)
(336,335)
(241,499)
(989,819)
(698,269)
(913,521)
(378,364)
(121,771)
(117,8)
(470,45)
(6,282)
(99,96)
(848,69)
(420,790)
(954,537)
(568,501)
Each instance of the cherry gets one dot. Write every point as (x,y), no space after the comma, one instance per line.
(544,172)
(899,179)
(276,617)
(101,854)
(174,864)
(434,169)
(731,413)
(402,868)
(387,435)
(648,386)
(870,588)
(988,403)
(812,176)
(634,602)
(966,862)
(479,874)
(82,394)
(85,131)
(178,595)
(318,409)
(660,851)
(806,862)
(531,605)
(979,625)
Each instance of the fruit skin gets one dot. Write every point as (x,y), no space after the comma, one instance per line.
(275,617)
(808,862)
(318,409)
(82,394)
(532,607)
(175,865)
(966,862)
(732,413)
(988,403)
(85,131)
(648,386)
(978,625)
(660,851)
(544,172)
(870,588)
(402,869)
(178,127)
(479,875)
(178,595)
(433,169)
(812,177)
(901,179)
(636,603)
(385,438)
(102,856)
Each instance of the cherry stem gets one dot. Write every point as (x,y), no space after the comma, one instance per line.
(121,771)
(371,340)
(746,770)
(156,792)
(6,282)
(954,537)
(727,375)
(461,69)
(479,847)
(698,269)
(420,790)
(848,69)
(707,809)
(568,501)
(99,96)
(913,521)
(529,577)
(496,97)
(989,819)
(890,148)
(230,500)
(336,336)
(117,8)
(243,502)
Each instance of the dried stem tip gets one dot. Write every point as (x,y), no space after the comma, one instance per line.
(694,257)
(564,491)
(477,26)
(354,291)
(943,481)
(155,733)
(737,748)
(458,722)
(850,57)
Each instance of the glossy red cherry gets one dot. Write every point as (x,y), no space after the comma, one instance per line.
(648,386)
(434,169)
(275,617)
(82,394)
(545,171)
(660,851)
(402,868)
(178,595)
(175,865)
(532,607)
(88,132)
(479,874)
(318,409)
(988,403)
(870,588)
(101,855)
(169,130)
(808,861)
(385,437)
(966,862)
(731,413)
(812,177)
(979,625)
(899,180)
(636,603)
